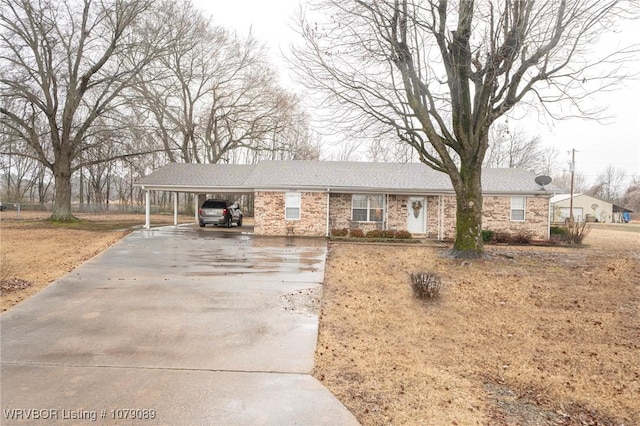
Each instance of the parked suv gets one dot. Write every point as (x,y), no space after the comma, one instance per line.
(219,212)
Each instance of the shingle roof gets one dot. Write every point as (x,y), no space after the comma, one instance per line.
(332,175)
(338,174)
(183,175)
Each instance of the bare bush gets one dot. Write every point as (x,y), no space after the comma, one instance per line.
(577,232)
(426,285)
(6,268)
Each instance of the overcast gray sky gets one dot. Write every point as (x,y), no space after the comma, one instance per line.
(597,145)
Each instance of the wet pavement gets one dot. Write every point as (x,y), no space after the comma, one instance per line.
(192,325)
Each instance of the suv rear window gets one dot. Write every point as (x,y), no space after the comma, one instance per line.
(214,204)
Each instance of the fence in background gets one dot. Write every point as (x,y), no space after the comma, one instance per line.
(90,208)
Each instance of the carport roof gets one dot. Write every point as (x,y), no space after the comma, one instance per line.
(333,176)
(190,177)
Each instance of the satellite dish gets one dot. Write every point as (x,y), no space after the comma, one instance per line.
(543,180)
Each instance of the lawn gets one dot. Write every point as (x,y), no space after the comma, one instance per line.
(534,336)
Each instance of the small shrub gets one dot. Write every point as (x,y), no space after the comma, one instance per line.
(560,231)
(521,238)
(356,233)
(403,235)
(376,233)
(502,237)
(388,234)
(339,232)
(426,285)
(487,236)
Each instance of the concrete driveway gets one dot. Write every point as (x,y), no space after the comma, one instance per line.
(176,326)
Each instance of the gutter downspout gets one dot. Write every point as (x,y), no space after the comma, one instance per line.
(328,231)
(550,207)
(386,212)
(440,217)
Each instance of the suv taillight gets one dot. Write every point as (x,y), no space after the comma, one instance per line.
(200,212)
(225,212)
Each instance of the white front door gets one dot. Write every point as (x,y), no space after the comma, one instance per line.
(417,215)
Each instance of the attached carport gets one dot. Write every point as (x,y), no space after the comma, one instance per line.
(196,179)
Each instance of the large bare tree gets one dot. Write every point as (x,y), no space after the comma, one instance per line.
(439,73)
(64,64)
(215,94)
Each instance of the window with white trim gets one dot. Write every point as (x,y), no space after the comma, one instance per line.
(292,202)
(518,209)
(367,208)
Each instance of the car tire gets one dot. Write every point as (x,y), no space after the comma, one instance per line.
(240,221)
(229,222)
(201,225)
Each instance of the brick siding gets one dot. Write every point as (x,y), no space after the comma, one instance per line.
(269,215)
(270,220)
(497,216)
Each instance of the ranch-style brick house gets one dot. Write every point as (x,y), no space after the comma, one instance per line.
(310,198)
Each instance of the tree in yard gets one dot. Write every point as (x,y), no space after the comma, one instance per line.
(63,65)
(610,184)
(214,96)
(439,73)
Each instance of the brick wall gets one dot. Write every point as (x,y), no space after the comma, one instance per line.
(340,211)
(397,212)
(497,216)
(269,215)
(444,206)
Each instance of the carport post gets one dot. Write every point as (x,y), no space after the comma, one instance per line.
(195,207)
(147,212)
(175,209)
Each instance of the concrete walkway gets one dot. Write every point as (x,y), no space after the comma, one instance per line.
(175,326)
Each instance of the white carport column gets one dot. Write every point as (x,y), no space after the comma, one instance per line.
(195,207)
(147,210)
(175,209)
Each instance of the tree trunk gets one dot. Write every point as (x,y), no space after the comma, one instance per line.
(468,243)
(62,201)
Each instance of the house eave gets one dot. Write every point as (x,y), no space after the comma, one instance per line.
(194,189)
(331,189)
(546,194)
(352,190)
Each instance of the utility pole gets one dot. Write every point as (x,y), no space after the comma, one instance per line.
(573,172)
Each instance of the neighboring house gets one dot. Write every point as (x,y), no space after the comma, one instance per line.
(310,198)
(586,208)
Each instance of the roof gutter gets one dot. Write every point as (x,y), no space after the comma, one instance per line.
(341,189)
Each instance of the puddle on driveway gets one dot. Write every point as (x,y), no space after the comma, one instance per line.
(224,252)
(225,273)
